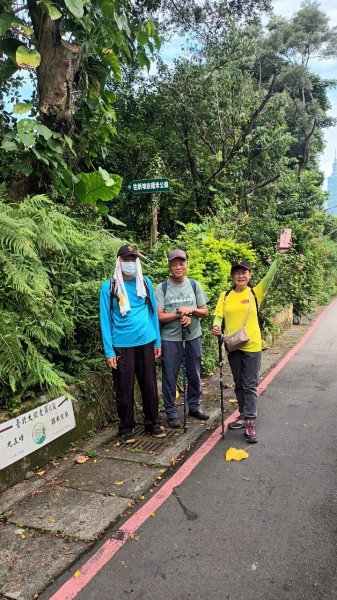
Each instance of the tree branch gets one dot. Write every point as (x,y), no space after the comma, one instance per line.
(260,184)
(245,132)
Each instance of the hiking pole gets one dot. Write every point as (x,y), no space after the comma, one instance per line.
(220,340)
(183,365)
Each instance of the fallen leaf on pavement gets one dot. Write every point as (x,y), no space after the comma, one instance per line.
(246,478)
(81,459)
(134,537)
(40,473)
(152,514)
(232,401)
(77,574)
(236,454)
(253,567)
(119,482)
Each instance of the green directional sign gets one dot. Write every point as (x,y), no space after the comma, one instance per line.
(149,186)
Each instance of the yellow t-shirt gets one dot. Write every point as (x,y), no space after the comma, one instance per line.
(233,308)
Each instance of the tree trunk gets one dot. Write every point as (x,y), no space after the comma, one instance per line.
(59,66)
(154,219)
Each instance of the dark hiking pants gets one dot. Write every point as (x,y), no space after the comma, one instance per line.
(172,353)
(138,361)
(245,367)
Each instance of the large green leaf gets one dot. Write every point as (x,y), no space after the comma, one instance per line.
(26,132)
(111,59)
(93,187)
(26,58)
(115,221)
(9,146)
(8,20)
(53,11)
(75,7)
(43,130)
(22,107)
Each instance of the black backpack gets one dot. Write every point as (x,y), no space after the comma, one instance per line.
(192,282)
(113,295)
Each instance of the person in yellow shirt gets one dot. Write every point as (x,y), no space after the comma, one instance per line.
(232,309)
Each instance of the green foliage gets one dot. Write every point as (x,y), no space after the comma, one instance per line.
(51,266)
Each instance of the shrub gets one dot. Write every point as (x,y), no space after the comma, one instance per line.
(51,266)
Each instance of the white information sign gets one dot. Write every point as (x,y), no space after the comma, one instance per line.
(34,429)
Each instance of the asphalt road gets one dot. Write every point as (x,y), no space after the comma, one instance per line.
(261,529)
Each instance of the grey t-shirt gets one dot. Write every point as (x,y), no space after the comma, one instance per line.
(178,295)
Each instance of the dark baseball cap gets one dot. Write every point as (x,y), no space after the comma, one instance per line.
(240,264)
(128,250)
(177,254)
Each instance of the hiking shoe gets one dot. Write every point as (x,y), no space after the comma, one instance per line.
(250,432)
(128,437)
(238,423)
(174,423)
(156,430)
(198,414)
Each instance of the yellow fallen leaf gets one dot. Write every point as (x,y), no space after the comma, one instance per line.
(95,461)
(51,520)
(134,537)
(232,401)
(40,473)
(152,514)
(119,482)
(23,536)
(141,497)
(162,471)
(80,459)
(236,454)
(77,574)
(177,394)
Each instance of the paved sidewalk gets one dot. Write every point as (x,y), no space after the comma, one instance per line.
(48,521)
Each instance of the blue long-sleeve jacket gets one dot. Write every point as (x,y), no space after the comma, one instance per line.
(138,327)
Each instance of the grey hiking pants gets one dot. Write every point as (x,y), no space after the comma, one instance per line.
(245,367)
(172,353)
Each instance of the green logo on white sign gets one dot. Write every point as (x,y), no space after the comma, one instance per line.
(39,433)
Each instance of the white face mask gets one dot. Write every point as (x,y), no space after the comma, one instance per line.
(129,268)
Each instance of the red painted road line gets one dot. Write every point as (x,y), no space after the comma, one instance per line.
(73,586)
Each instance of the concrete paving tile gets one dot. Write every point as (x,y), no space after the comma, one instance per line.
(30,560)
(101,476)
(74,513)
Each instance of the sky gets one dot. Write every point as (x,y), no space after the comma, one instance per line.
(325,68)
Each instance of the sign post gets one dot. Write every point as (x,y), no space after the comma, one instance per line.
(152,187)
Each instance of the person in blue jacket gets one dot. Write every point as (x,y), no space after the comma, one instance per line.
(131,341)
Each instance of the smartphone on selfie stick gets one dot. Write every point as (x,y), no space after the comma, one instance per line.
(285,239)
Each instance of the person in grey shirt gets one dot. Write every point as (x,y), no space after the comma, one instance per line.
(181,302)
